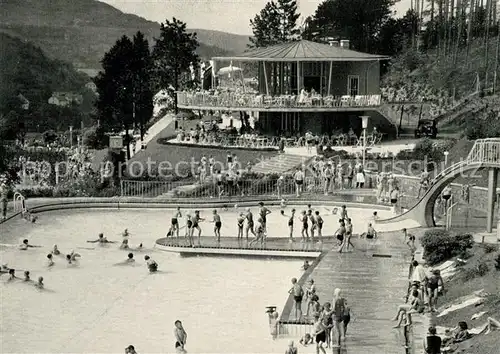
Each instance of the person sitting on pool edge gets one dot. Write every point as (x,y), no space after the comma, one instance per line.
(101,240)
(152,265)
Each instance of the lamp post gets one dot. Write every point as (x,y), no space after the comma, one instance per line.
(446,153)
(364,125)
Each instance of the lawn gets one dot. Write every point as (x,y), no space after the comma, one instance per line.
(178,158)
(461,285)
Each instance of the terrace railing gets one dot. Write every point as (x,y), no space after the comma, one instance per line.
(252,100)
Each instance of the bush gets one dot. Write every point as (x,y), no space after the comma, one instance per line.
(95,138)
(497,262)
(49,137)
(439,245)
(489,248)
(480,270)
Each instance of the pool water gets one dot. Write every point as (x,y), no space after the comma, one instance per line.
(101,307)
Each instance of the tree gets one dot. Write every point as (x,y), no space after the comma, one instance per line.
(276,23)
(173,54)
(356,20)
(115,88)
(395,35)
(141,67)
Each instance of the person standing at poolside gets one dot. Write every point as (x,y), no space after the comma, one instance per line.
(340,234)
(312,220)
(240,222)
(305,227)
(196,219)
(218,225)
(250,223)
(259,230)
(180,336)
(411,240)
(339,313)
(299,182)
(319,334)
(290,224)
(343,213)
(319,225)
(292,349)
(297,293)
(174,227)
(263,213)
(347,239)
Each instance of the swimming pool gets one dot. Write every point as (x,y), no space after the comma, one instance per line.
(100,307)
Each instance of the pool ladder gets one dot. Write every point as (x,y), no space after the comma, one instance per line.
(19,203)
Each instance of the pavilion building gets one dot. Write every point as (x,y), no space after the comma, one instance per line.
(302,86)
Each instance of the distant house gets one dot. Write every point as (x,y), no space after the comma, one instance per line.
(25,104)
(91,86)
(64,99)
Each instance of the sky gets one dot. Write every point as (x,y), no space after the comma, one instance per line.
(224,15)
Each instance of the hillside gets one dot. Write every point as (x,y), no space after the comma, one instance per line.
(81,31)
(28,71)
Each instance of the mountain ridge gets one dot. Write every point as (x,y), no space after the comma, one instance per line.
(81,31)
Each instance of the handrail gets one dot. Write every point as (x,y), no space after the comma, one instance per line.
(449,215)
(21,206)
(259,100)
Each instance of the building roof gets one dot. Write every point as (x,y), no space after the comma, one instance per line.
(303,50)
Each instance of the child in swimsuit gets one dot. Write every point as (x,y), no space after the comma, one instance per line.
(313,222)
(218,225)
(174,227)
(189,229)
(290,224)
(260,233)
(306,340)
(151,264)
(240,222)
(250,224)
(305,227)
(319,225)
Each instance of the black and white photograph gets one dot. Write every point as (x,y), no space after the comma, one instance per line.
(250,176)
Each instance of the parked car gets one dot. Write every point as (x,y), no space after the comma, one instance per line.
(427,128)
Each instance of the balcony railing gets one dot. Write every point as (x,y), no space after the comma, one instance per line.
(252,100)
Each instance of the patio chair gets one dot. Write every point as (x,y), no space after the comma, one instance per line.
(345,100)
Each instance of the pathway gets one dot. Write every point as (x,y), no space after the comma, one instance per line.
(373,286)
(152,132)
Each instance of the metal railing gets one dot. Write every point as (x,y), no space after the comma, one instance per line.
(253,100)
(485,151)
(19,202)
(209,188)
(449,215)
(257,141)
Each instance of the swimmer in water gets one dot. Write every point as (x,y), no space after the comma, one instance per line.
(50,261)
(72,257)
(152,265)
(130,350)
(39,284)
(55,251)
(218,225)
(130,258)
(12,274)
(124,245)
(101,240)
(25,245)
(125,233)
(27,275)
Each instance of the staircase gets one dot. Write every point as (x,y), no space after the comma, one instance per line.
(280,164)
